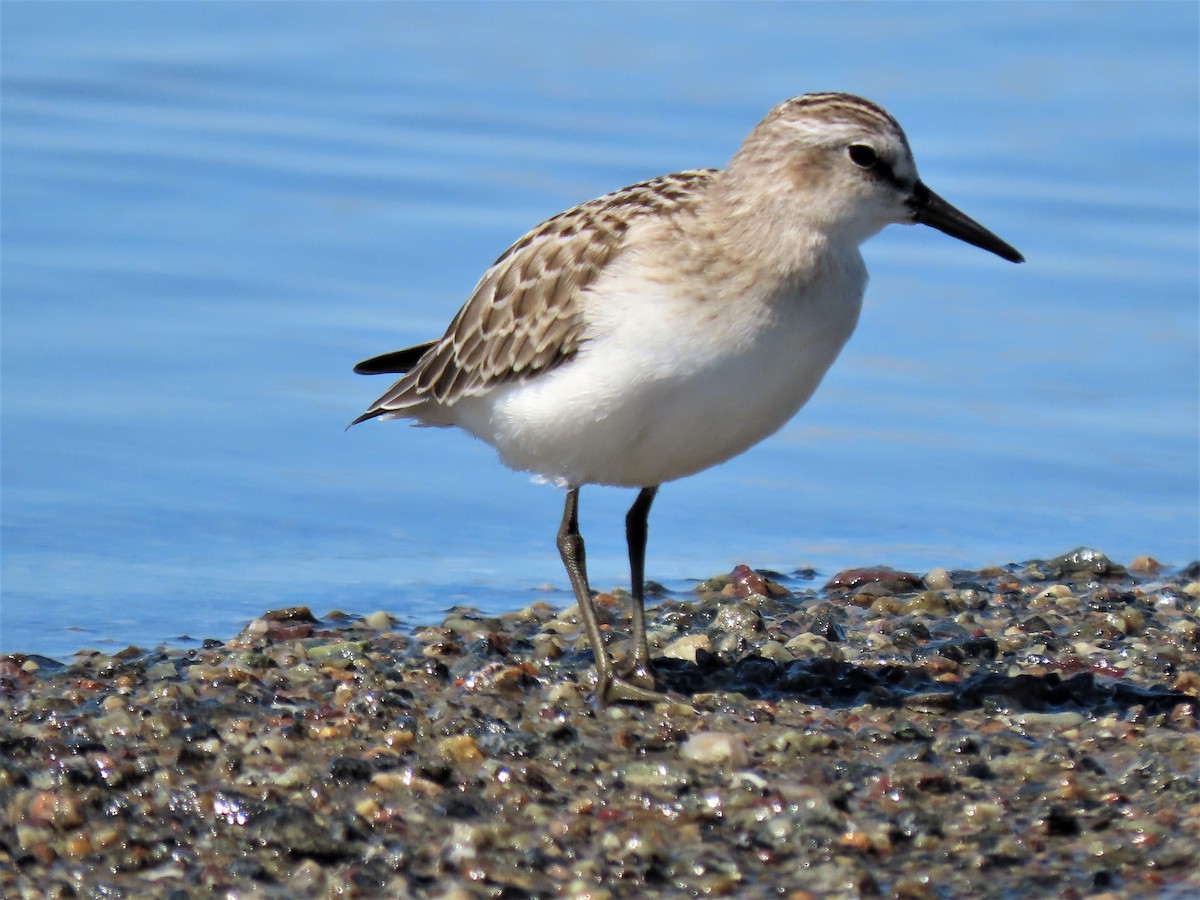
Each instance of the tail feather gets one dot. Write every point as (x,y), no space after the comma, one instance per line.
(395,363)
(398,362)
(369,414)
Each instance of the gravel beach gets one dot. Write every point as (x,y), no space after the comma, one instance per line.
(1020,731)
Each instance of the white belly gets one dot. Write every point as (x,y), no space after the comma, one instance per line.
(666,387)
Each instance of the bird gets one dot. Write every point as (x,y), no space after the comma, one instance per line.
(668,326)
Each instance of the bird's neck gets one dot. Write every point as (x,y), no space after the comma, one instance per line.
(769,233)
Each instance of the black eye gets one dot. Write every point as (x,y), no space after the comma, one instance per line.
(863,156)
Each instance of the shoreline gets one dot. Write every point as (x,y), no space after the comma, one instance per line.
(1012,730)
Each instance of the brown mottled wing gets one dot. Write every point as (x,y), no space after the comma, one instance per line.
(522,316)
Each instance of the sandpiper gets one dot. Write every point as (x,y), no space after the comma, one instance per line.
(668,326)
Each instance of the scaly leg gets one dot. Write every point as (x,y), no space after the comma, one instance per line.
(570,546)
(636,525)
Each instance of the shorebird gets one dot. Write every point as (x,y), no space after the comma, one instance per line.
(663,328)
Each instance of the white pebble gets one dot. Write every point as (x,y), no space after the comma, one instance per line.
(715,747)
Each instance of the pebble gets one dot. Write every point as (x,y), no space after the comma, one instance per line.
(716,748)
(1021,730)
(687,646)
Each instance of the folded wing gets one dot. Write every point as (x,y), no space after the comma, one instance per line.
(524,316)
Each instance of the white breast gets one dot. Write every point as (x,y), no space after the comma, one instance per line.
(666,385)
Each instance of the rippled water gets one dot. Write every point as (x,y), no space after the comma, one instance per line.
(210,212)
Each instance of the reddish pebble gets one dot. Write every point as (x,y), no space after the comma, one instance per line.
(892,579)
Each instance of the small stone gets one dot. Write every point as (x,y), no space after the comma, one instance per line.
(686,647)
(938,579)
(886,577)
(804,646)
(716,748)
(774,651)
(378,621)
(926,603)
(459,748)
(290,614)
(77,845)
(745,582)
(654,774)
(1054,592)
(734,617)
(60,809)
(1082,561)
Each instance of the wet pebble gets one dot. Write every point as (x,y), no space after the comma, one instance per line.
(1017,730)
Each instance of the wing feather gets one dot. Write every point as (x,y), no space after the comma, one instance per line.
(523,316)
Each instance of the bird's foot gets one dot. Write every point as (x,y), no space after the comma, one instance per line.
(638,672)
(633,690)
(634,684)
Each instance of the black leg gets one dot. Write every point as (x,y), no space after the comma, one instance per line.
(570,547)
(636,526)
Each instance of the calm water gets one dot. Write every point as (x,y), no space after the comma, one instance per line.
(210,212)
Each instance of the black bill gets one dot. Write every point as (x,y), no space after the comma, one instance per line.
(930,209)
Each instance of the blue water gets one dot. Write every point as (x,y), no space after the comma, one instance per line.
(211,211)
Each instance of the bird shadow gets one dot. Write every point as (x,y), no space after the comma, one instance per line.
(832,683)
